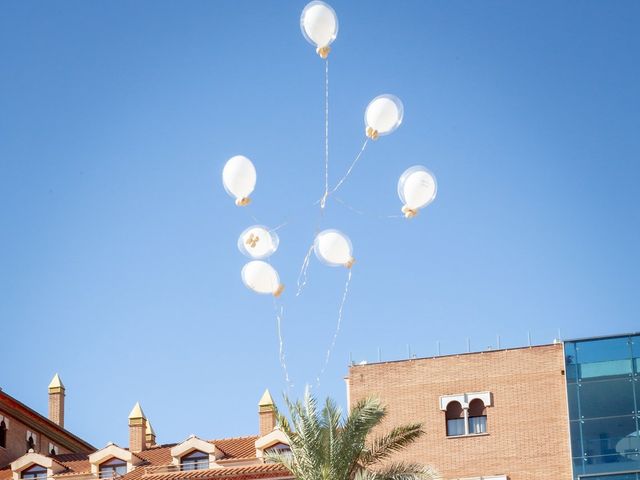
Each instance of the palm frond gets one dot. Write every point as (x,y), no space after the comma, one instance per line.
(383,447)
(326,446)
(403,471)
(364,416)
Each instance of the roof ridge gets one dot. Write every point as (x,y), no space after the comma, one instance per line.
(244,437)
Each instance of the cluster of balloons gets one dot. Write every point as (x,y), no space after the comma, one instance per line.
(258,242)
(417,186)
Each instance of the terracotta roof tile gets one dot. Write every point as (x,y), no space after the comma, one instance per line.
(264,470)
(237,448)
(5,473)
(74,462)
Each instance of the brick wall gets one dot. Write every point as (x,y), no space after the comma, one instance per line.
(17,441)
(527,426)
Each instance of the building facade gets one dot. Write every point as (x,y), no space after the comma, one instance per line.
(36,448)
(23,429)
(565,411)
(493,415)
(603,386)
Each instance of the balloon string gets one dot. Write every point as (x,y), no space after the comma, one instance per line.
(290,218)
(338,326)
(360,212)
(283,363)
(339,184)
(302,277)
(326,134)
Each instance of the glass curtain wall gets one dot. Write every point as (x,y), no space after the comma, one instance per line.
(604,407)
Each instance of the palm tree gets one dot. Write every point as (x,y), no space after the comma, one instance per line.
(326,446)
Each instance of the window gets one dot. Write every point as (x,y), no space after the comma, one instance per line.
(466,413)
(278,448)
(113,468)
(455,420)
(3,434)
(35,472)
(195,460)
(31,443)
(477,417)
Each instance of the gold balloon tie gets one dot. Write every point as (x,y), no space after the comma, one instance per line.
(252,240)
(409,212)
(278,291)
(350,263)
(243,202)
(372,133)
(323,51)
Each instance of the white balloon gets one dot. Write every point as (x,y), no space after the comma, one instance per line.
(319,24)
(239,178)
(334,248)
(417,188)
(258,242)
(383,115)
(262,278)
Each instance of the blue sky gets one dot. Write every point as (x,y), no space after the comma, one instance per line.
(118,262)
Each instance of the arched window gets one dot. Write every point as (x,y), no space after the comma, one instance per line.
(477,417)
(35,472)
(113,468)
(31,443)
(195,460)
(455,419)
(3,434)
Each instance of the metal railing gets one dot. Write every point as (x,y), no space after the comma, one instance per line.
(183,467)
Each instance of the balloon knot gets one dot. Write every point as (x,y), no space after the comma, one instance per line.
(252,240)
(350,263)
(409,212)
(372,133)
(323,51)
(278,291)
(243,202)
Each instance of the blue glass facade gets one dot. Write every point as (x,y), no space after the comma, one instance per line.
(603,387)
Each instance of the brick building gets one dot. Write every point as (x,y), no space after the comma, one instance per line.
(22,428)
(493,415)
(570,410)
(33,447)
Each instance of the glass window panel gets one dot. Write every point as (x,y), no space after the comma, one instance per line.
(603,350)
(572,373)
(612,463)
(570,361)
(195,460)
(635,346)
(455,427)
(572,398)
(607,436)
(36,472)
(603,370)
(576,439)
(478,424)
(570,352)
(622,476)
(606,399)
